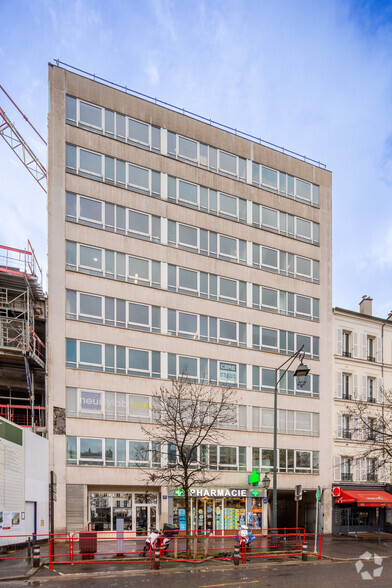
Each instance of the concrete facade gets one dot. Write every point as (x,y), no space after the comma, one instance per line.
(75,481)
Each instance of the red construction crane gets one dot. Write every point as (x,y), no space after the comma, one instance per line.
(19,146)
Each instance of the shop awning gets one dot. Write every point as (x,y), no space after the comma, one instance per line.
(365,497)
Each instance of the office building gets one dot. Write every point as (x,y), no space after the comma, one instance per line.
(177,245)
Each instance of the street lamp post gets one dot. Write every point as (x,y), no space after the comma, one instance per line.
(301,373)
(264,523)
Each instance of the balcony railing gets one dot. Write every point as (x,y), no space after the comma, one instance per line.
(346,396)
(371,477)
(346,353)
(347,477)
(371,358)
(371,399)
(21,415)
(346,434)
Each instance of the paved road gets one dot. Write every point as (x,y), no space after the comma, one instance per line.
(319,574)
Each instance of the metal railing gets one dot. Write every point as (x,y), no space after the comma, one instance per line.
(193,115)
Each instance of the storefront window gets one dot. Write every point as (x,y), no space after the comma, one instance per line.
(138,511)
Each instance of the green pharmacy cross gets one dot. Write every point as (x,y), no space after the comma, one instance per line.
(179,492)
(254,478)
(255,493)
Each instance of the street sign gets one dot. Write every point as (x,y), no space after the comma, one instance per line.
(319,492)
(337,491)
(265,500)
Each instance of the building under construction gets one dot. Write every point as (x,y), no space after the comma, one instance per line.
(22,339)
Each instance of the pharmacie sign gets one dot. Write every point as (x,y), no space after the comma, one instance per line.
(218,492)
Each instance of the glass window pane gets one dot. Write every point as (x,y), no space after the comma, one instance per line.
(187,279)
(187,366)
(139,222)
(90,257)
(109,122)
(227,246)
(269,217)
(187,323)
(90,305)
(71,204)
(138,268)
(90,115)
(90,353)
(71,108)
(303,304)
(187,148)
(71,156)
(138,131)
(269,297)
(91,162)
(304,266)
(269,177)
(228,288)
(269,337)
(187,192)
(138,176)
(304,228)
(91,448)
(268,378)
(187,235)
(269,257)
(228,204)
(228,330)
(302,189)
(139,314)
(227,162)
(90,209)
(138,360)
(71,303)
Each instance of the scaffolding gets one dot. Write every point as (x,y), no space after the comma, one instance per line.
(22,336)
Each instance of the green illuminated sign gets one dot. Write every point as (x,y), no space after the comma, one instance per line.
(255,492)
(254,478)
(179,492)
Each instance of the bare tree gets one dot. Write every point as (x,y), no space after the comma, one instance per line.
(188,418)
(371,423)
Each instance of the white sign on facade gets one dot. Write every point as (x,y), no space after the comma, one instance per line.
(227,372)
(218,492)
(90,401)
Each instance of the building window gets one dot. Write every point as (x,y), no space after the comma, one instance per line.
(371,470)
(346,433)
(371,390)
(370,349)
(346,345)
(346,394)
(346,473)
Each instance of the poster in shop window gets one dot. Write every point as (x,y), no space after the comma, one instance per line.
(182,519)
(227,372)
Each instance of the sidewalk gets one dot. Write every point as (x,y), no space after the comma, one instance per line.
(333,547)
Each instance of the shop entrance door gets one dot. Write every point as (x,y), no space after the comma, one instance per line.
(208,515)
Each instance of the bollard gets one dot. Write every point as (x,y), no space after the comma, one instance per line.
(305,552)
(236,559)
(157,559)
(29,548)
(175,548)
(36,556)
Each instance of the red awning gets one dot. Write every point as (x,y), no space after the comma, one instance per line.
(365,497)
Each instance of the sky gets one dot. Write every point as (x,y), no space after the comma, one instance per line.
(313,77)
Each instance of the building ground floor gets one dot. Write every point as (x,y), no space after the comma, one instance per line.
(360,508)
(212,508)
